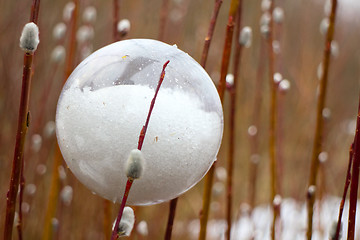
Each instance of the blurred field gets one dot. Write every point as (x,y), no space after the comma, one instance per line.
(301,52)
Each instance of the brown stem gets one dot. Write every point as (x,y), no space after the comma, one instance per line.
(319,120)
(107,218)
(210,33)
(21,194)
(272,125)
(53,195)
(342,203)
(279,142)
(204,215)
(171,217)
(256,116)
(140,143)
(116,7)
(35,7)
(163,15)
(226,57)
(23,124)
(230,165)
(278,67)
(354,181)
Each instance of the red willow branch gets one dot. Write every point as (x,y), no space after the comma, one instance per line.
(319,120)
(210,33)
(21,195)
(354,181)
(171,217)
(23,125)
(342,203)
(140,144)
(227,48)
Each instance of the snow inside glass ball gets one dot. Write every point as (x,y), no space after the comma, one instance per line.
(103,107)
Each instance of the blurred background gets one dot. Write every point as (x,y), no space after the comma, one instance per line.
(299,47)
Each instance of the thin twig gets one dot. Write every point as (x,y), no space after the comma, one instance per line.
(227,48)
(107,218)
(122,206)
(53,195)
(272,125)
(319,119)
(232,90)
(210,33)
(342,203)
(140,143)
(204,215)
(35,7)
(144,129)
(19,147)
(116,7)
(256,116)
(163,16)
(21,195)
(354,181)
(171,217)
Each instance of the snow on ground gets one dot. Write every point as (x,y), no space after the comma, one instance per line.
(292,226)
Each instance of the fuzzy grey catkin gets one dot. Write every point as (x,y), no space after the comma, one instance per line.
(284,85)
(68,11)
(126,223)
(278,15)
(230,79)
(123,25)
(277,77)
(324,26)
(89,15)
(59,31)
(135,164)
(58,54)
(245,38)
(29,39)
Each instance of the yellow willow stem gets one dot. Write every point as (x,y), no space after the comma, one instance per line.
(231,149)
(53,196)
(319,122)
(272,125)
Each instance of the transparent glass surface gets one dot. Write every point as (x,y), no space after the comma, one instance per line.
(104,104)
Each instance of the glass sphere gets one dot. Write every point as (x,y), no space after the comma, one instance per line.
(103,107)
